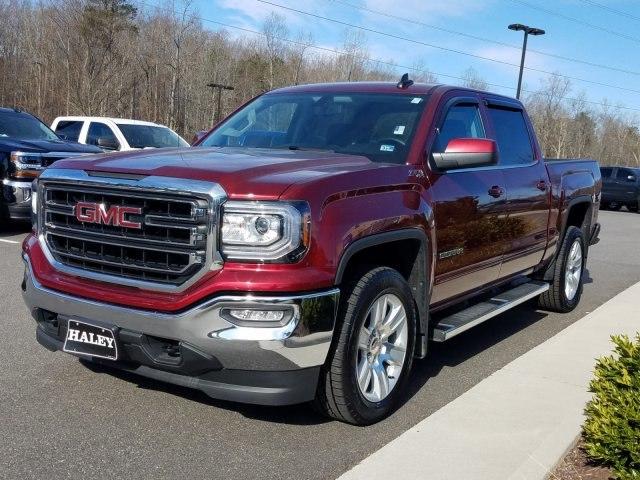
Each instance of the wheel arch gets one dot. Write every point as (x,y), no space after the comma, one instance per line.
(405,250)
(578,213)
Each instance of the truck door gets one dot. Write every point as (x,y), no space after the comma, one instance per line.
(526,177)
(469,209)
(625,186)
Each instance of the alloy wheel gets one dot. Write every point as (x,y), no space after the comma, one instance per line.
(382,348)
(573,271)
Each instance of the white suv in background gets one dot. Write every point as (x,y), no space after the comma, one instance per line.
(116,134)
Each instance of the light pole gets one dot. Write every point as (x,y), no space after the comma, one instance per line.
(219,87)
(527,31)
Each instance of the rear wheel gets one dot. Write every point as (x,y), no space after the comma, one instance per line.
(369,362)
(566,287)
(614,206)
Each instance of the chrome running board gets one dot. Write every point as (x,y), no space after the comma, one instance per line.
(463,320)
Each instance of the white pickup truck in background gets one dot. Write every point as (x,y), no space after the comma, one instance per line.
(116,134)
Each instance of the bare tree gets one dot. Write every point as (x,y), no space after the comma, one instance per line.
(472,79)
(105,57)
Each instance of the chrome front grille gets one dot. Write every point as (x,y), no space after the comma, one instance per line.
(172,248)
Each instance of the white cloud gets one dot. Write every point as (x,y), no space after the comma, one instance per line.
(252,12)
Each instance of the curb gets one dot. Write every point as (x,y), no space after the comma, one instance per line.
(519,422)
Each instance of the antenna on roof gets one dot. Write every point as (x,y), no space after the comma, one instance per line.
(405,82)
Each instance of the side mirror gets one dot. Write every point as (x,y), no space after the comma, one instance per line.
(199,135)
(467,153)
(108,143)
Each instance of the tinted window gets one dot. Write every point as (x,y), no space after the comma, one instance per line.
(626,175)
(145,136)
(462,121)
(24,127)
(101,133)
(69,129)
(377,126)
(605,172)
(512,136)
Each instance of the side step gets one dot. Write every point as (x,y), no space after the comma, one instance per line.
(459,322)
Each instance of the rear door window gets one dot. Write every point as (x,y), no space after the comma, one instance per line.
(69,129)
(512,136)
(605,172)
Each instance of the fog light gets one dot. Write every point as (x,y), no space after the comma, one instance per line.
(260,315)
(257,315)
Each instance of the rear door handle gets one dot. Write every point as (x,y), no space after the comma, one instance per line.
(541,185)
(496,191)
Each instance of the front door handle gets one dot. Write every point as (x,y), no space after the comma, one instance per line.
(496,191)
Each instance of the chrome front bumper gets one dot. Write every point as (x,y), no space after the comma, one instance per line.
(251,364)
(17,198)
(303,342)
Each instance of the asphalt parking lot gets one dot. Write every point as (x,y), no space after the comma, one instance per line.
(61,419)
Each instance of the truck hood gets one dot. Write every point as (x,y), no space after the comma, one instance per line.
(42,146)
(258,173)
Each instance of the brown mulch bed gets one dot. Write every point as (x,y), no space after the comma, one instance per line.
(576,466)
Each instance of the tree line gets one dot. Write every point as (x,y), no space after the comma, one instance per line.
(154,61)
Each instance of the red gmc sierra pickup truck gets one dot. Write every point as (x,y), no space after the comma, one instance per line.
(310,245)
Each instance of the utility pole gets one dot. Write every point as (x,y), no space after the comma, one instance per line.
(39,86)
(518,27)
(219,87)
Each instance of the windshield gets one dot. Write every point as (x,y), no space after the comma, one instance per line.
(147,136)
(377,126)
(23,126)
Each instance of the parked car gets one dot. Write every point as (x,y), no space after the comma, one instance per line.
(27,146)
(117,134)
(310,245)
(620,187)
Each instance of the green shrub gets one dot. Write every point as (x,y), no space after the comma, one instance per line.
(612,429)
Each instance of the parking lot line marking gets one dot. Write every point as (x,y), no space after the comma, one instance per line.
(8,241)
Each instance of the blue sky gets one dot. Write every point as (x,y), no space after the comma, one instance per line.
(483,18)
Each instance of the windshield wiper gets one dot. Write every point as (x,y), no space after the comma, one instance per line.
(309,149)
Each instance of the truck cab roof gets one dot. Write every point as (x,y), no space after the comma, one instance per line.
(121,121)
(385,87)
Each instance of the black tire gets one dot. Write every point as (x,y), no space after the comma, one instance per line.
(614,206)
(338,395)
(555,298)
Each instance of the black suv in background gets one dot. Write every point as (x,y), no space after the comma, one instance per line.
(620,186)
(27,146)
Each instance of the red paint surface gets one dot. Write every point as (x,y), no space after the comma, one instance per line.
(350,198)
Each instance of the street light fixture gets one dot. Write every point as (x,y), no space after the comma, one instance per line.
(518,27)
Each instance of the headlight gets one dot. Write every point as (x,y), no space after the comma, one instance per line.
(26,164)
(264,231)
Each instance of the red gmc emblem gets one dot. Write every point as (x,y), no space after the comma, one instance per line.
(88,212)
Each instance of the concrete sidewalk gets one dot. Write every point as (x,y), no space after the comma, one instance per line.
(520,421)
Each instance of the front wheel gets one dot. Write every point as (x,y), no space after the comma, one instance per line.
(566,287)
(372,353)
